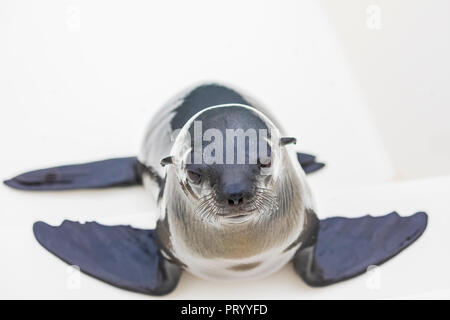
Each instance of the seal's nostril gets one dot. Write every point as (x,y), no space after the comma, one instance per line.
(235,199)
(234,193)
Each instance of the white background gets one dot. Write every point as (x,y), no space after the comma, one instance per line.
(79,80)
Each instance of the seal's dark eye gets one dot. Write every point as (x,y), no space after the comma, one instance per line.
(193,176)
(265,164)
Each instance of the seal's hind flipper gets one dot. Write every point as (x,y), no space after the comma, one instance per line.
(308,162)
(346,247)
(123,256)
(98,174)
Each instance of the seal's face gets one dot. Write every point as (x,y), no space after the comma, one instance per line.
(230,193)
(227,160)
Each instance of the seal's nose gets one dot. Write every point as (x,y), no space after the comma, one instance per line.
(234,193)
(235,199)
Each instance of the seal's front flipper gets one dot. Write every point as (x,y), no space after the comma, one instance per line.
(308,162)
(98,174)
(123,256)
(346,247)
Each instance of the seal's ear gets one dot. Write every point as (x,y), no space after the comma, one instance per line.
(167,160)
(287,140)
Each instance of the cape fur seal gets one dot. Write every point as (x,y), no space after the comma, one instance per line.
(234,203)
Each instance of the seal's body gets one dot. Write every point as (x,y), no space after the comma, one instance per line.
(246,248)
(233,202)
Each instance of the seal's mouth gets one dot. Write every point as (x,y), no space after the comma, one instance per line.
(237,217)
(260,204)
(237,214)
(237,211)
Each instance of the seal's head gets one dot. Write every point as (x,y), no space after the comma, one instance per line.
(228,159)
